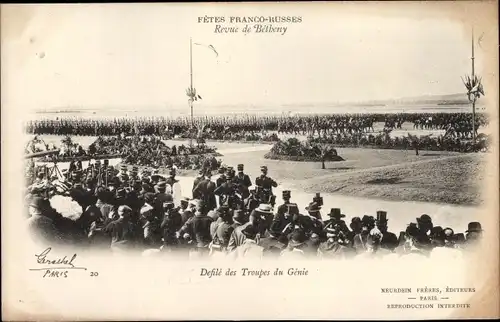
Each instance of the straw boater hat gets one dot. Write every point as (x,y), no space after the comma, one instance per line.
(264,208)
(185,200)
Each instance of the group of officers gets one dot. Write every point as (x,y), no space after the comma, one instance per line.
(229,216)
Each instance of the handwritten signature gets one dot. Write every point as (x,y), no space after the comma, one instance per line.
(56,262)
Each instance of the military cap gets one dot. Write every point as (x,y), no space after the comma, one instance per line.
(286,193)
(240,167)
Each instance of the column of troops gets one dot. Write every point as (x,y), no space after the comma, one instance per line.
(228,216)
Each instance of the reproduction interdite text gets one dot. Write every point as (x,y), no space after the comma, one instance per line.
(427,297)
(246,25)
(257,273)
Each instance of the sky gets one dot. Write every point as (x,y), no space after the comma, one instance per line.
(119,56)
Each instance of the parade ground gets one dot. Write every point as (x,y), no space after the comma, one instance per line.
(444,185)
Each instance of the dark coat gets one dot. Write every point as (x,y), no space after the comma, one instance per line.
(205,192)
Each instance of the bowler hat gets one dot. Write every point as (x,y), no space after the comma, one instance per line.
(474,227)
(336,213)
(382,216)
(424,219)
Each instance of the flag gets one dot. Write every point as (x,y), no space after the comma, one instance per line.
(212,48)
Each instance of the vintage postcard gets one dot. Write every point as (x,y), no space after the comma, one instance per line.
(250,161)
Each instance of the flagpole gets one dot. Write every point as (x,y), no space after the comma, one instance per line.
(191,88)
(474,98)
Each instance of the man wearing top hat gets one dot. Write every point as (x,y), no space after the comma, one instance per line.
(336,219)
(336,244)
(266,185)
(389,240)
(242,181)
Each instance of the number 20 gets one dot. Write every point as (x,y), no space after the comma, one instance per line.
(94,274)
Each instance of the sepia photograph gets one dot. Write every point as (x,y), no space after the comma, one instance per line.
(215,143)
